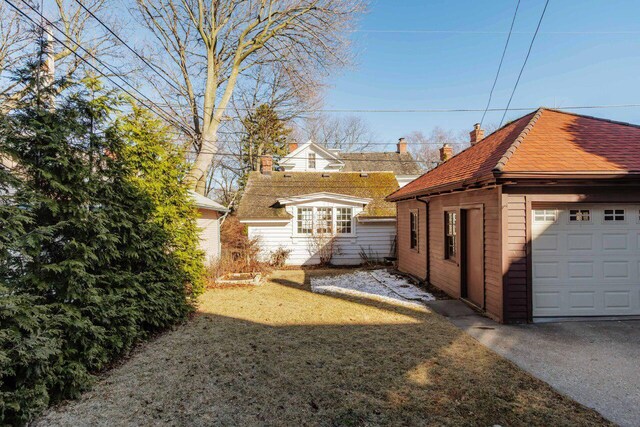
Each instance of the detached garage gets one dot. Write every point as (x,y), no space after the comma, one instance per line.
(539,220)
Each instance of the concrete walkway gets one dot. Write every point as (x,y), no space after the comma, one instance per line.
(597,363)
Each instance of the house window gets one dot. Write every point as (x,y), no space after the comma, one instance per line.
(545,215)
(343,220)
(320,220)
(579,215)
(305,220)
(450,219)
(614,214)
(312,161)
(324,220)
(413,227)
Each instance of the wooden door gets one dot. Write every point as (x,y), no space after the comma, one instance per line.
(474,256)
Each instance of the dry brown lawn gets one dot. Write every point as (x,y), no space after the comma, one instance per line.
(279,355)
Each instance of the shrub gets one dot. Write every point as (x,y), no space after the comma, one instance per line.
(89,263)
(279,257)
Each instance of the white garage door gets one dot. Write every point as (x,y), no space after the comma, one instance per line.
(586,260)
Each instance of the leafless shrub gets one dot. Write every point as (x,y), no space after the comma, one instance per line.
(324,246)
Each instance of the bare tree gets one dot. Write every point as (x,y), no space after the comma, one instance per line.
(347,133)
(426,149)
(65,20)
(208,46)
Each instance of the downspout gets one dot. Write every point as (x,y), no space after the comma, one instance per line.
(426,207)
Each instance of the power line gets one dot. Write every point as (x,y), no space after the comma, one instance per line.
(524,64)
(88,63)
(153,67)
(489,32)
(504,52)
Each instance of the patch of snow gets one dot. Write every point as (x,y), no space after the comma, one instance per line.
(377,284)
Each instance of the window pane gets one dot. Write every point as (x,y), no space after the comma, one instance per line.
(450,234)
(545,215)
(324,220)
(312,160)
(305,220)
(343,220)
(614,214)
(579,215)
(413,229)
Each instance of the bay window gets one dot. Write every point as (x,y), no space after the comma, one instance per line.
(324,220)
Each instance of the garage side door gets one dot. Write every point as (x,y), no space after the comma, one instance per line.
(586,260)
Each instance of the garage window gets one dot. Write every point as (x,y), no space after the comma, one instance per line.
(579,215)
(545,215)
(413,227)
(450,235)
(614,215)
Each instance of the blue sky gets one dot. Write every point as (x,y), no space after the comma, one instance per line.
(395,70)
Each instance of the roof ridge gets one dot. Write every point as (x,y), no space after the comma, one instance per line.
(516,143)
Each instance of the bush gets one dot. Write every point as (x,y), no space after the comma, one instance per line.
(279,257)
(89,262)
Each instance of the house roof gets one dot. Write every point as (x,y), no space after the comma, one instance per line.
(398,163)
(206,203)
(262,192)
(543,142)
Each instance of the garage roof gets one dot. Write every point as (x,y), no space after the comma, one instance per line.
(546,141)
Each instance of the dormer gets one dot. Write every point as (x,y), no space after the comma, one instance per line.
(311,157)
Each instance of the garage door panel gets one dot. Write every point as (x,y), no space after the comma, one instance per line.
(588,268)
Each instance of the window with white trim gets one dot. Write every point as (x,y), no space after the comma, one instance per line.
(614,215)
(545,215)
(305,220)
(344,218)
(579,215)
(311,161)
(324,220)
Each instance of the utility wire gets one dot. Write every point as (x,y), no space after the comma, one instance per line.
(153,67)
(504,52)
(524,64)
(162,114)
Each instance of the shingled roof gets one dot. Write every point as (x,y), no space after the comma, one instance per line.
(398,163)
(262,192)
(543,142)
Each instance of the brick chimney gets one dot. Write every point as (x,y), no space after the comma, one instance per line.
(266,164)
(293,146)
(402,146)
(476,134)
(446,152)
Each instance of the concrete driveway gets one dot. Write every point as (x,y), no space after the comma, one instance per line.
(597,363)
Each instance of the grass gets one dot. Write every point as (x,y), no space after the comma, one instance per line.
(280,355)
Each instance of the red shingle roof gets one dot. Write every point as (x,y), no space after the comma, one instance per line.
(545,141)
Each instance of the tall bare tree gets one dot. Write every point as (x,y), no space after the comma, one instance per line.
(426,149)
(64,20)
(347,133)
(208,46)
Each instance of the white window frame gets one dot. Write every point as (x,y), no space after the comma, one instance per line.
(614,221)
(334,219)
(548,216)
(311,155)
(580,211)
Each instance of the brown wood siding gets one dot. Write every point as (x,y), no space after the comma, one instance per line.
(515,242)
(410,260)
(445,274)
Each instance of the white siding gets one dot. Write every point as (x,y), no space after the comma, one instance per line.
(299,163)
(209,226)
(375,238)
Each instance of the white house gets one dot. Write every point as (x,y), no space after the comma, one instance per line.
(322,202)
(209,225)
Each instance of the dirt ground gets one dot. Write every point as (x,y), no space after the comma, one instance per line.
(279,355)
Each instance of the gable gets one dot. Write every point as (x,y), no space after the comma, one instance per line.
(298,160)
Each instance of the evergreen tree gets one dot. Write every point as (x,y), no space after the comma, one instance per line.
(265,134)
(89,262)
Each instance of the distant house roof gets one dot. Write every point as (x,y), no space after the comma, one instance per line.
(262,192)
(398,163)
(206,203)
(540,143)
